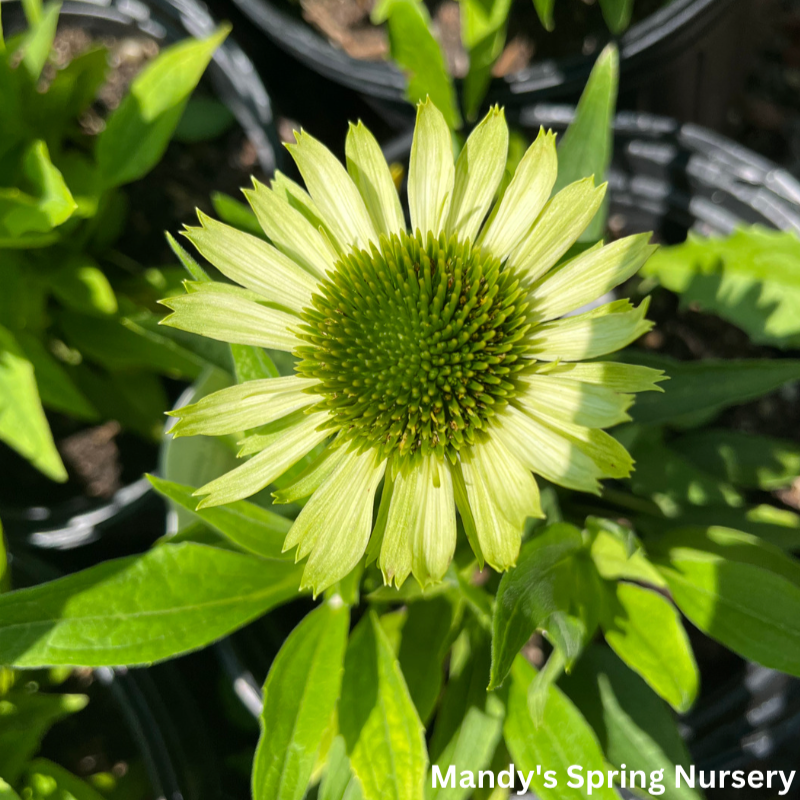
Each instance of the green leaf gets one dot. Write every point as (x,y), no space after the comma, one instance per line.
(45,780)
(123,343)
(25,718)
(646,632)
(416,52)
(544,10)
(23,425)
(634,727)
(585,149)
(739,590)
(338,782)
(6,792)
(671,481)
(237,214)
(483,34)
(253,528)
(614,562)
(204,119)
(190,265)
(424,643)
(701,389)
(137,133)
(748,460)
(81,286)
(537,588)
(617,14)
(777,526)
(38,40)
(252,363)
(57,389)
(562,738)
(141,609)
(41,203)
(468,726)
(300,696)
(750,278)
(383,733)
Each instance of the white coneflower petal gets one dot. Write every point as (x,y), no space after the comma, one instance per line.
(253,263)
(270,463)
(478,172)
(557,228)
(594,333)
(431,171)
(290,231)
(594,406)
(586,277)
(333,191)
(502,495)
(334,526)
(370,173)
(527,193)
(220,312)
(243,407)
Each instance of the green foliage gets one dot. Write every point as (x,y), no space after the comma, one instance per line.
(750,278)
(300,696)
(70,328)
(585,148)
(416,51)
(141,609)
(381,728)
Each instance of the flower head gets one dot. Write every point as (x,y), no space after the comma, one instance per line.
(436,359)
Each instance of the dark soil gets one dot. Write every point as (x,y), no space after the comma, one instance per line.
(579,29)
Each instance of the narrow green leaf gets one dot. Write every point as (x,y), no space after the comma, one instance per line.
(544,10)
(748,460)
(706,387)
(190,265)
(38,39)
(252,363)
(417,53)
(252,527)
(204,119)
(25,719)
(23,425)
(739,590)
(424,642)
(585,149)
(750,278)
(237,214)
(563,738)
(483,34)
(634,726)
(613,562)
(45,780)
(646,632)
(617,14)
(468,726)
(137,133)
(141,609)
(383,733)
(57,388)
(530,593)
(338,782)
(300,696)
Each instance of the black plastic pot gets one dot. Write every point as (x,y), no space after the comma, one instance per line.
(60,520)
(688,60)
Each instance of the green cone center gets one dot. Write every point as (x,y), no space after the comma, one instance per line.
(416,343)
